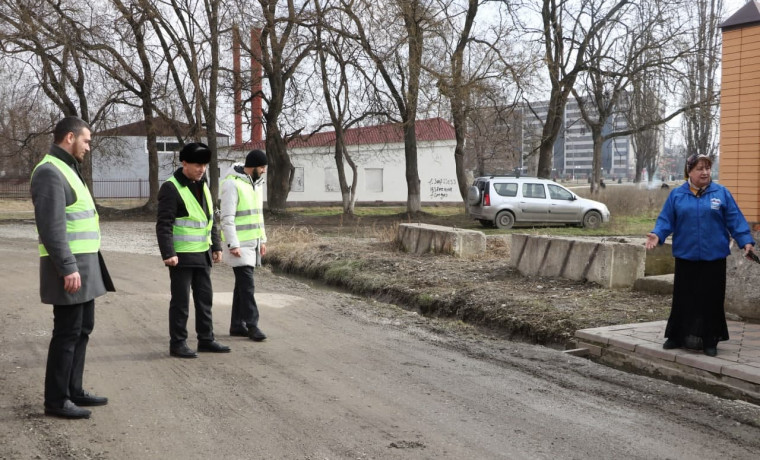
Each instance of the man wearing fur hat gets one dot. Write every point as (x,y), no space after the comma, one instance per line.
(244,238)
(189,243)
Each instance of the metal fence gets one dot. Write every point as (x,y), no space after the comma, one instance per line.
(139,188)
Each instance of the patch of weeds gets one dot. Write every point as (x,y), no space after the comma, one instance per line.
(342,272)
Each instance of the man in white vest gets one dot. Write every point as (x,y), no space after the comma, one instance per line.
(244,238)
(72,270)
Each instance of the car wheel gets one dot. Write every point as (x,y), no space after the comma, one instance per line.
(473,196)
(486,223)
(505,220)
(592,219)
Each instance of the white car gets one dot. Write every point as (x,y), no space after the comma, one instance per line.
(504,201)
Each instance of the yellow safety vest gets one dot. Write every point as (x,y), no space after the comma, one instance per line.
(248,216)
(82,221)
(192,233)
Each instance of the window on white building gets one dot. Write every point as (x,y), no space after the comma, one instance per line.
(332,184)
(297,180)
(373,179)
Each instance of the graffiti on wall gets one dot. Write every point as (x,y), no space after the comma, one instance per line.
(441,188)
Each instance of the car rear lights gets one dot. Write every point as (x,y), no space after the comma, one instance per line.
(486,199)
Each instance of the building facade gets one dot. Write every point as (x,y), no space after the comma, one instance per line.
(120,164)
(574,148)
(378,151)
(120,160)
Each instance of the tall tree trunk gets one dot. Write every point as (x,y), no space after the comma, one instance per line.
(413,200)
(280,171)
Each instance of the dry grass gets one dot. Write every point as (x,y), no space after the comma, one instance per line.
(629,200)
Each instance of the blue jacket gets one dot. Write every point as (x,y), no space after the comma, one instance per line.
(702,226)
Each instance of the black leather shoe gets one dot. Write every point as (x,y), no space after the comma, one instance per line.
(88,399)
(212,346)
(671,344)
(69,410)
(239,332)
(182,351)
(711,351)
(255,334)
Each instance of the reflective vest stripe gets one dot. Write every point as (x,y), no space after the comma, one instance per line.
(189,223)
(76,236)
(189,238)
(192,233)
(82,221)
(80,215)
(247,212)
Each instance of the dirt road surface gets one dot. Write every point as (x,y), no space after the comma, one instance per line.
(338,378)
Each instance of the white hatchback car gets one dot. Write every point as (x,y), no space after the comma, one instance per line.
(504,201)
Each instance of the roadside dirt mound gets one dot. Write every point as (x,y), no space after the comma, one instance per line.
(483,291)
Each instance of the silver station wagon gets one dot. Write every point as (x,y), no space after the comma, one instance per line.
(504,201)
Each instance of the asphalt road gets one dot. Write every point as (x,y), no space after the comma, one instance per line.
(339,377)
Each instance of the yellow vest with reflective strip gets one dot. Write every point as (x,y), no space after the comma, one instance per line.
(82,221)
(248,216)
(192,233)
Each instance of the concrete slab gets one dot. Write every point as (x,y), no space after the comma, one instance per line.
(423,238)
(611,262)
(656,284)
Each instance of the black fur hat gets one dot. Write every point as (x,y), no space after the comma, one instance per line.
(195,152)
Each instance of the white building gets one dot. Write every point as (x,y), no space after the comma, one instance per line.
(120,163)
(120,158)
(378,152)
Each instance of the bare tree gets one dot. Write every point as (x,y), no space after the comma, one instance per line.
(699,123)
(468,60)
(494,134)
(641,43)
(336,90)
(392,37)
(284,42)
(568,30)
(47,36)
(25,123)
(189,32)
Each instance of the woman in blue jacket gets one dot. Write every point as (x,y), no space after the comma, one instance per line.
(702,216)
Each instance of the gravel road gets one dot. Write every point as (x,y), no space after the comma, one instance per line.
(339,377)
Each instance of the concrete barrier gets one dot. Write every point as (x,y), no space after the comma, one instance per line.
(611,262)
(742,285)
(422,238)
(659,260)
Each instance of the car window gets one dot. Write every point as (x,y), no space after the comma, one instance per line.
(506,189)
(534,191)
(559,193)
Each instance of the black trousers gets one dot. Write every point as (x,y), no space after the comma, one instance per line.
(72,325)
(245,312)
(182,280)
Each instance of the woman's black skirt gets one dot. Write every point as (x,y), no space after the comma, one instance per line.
(697,318)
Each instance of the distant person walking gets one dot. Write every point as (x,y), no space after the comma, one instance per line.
(189,243)
(72,270)
(244,238)
(702,216)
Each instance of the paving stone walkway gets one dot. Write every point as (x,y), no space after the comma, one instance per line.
(734,372)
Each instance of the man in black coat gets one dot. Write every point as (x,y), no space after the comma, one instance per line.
(189,241)
(72,271)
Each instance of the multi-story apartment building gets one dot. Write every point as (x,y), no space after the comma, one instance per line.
(573,150)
